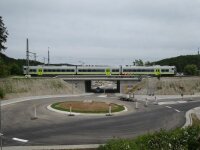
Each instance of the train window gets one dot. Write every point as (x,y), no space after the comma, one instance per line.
(115,70)
(32,70)
(165,70)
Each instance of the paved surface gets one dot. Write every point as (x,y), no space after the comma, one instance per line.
(58,129)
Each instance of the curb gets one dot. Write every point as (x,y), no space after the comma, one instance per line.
(55,147)
(85,114)
(189,117)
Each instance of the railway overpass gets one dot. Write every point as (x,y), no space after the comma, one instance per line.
(123,84)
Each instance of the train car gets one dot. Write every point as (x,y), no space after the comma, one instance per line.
(101,70)
(149,70)
(50,70)
(98,70)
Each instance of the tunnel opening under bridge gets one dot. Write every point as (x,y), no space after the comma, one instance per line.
(101,86)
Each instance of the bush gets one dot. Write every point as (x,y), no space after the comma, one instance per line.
(178,139)
(2,93)
(191,70)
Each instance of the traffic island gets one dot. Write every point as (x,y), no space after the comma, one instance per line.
(87,107)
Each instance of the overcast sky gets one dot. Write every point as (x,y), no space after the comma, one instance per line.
(102,31)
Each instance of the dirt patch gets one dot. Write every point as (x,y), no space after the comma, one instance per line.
(87,107)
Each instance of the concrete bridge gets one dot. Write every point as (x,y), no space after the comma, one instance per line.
(124,84)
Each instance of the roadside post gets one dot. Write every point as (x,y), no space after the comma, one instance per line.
(146,102)
(182,95)
(156,101)
(109,110)
(136,105)
(34,113)
(70,110)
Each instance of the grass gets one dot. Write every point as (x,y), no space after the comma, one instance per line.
(76,108)
(195,119)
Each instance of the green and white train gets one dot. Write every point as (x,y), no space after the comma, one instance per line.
(101,70)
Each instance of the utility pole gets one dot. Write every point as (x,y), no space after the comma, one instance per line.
(27,57)
(44,60)
(48,56)
(198,51)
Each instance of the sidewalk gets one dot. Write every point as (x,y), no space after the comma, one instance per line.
(21,99)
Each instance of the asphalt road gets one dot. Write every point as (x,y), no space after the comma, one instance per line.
(52,128)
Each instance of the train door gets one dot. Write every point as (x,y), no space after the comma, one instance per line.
(108,72)
(157,72)
(40,71)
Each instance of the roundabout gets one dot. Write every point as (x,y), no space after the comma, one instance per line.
(60,129)
(86,107)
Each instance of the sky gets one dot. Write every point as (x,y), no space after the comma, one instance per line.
(112,32)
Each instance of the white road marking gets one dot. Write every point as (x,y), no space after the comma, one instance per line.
(20,140)
(173,108)
(167,103)
(168,106)
(1,134)
(177,110)
(171,102)
(182,101)
(102,96)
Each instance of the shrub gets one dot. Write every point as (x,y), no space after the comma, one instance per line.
(2,93)
(178,139)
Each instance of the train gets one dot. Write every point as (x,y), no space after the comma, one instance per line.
(128,70)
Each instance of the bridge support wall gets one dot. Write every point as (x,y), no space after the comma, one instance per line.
(82,86)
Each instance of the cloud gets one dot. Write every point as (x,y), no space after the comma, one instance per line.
(146,29)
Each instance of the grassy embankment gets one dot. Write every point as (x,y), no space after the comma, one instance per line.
(168,86)
(22,87)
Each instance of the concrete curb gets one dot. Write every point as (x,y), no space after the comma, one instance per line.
(189,117)
(54,147)
(85,114)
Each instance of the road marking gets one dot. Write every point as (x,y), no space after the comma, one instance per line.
(177,110)
(173,108)
(168,106)
(20,140)
(1,134)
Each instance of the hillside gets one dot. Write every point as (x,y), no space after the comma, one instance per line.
(180,62)
(11,66)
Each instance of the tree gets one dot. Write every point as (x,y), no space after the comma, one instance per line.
(148,63)
(3,35)
(139,62)
(191,69)
(15,69)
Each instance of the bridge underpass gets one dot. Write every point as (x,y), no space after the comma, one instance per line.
(122,85)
